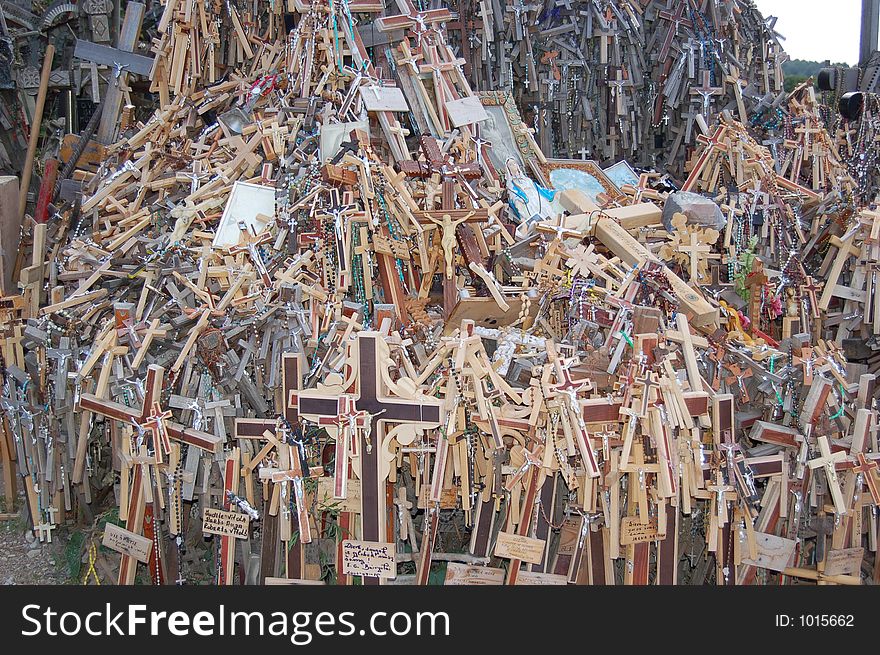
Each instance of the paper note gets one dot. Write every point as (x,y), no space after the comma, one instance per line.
(127,543)
(846,561)
(227,524)
(448,498)
(465,575)
(633,532)
(369,558)
(514,546)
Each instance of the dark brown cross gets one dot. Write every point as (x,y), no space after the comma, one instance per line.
(676,19)
(138,417)
(810,287)
(872,479)
(372,398)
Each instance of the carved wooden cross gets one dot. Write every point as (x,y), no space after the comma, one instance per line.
(828,461)
(713,143)
(677,19)
(369,362)
(138,417)
(421,21)
(706,91)
(868,469)
(810,287)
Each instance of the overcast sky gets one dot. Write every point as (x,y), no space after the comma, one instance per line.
(817,29)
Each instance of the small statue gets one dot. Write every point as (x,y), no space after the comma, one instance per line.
(531,203)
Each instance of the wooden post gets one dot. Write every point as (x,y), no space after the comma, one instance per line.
(35,132)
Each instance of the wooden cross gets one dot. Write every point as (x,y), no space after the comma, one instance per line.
(872,479)
(677,19)
(156,423)
(422,21)
(706,91)
(738,374)
(694,250)
(828,461)
(347,423)
(370,362)
(153,388)
(720,489)
(44,531)
(810,287)
(713,143)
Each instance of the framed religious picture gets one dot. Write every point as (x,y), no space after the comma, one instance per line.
(503,135)
(622,173)
(582,174)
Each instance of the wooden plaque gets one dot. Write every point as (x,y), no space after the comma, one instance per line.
(127,543)
(465,575)
(514,546)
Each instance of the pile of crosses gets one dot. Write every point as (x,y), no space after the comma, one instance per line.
(289,337)
(622,78)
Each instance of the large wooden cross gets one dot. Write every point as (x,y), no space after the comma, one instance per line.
(369,362)
(139,417)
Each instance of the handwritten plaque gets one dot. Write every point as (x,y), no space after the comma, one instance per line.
(846,561)
(226,524)
(127,543)
(774,553)
(465,575)
(370,558)
(534,579)
(633,532)
(352,500)
(514,546)
(448,498)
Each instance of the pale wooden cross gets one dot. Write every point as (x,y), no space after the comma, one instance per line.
(827,461)
(720,489)
(696,251)
(706,91)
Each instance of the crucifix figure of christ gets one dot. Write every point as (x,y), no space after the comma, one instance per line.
(151,417)
(419,21)
(872,478)
(140,417)
(382,401)
(447,226)
(706,91)
(828,460)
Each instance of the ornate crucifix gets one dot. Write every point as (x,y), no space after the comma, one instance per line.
(381,401)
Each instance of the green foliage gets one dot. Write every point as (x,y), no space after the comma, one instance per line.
(792,82)
(73,552)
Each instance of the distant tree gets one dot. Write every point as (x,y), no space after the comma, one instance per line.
(791,81)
